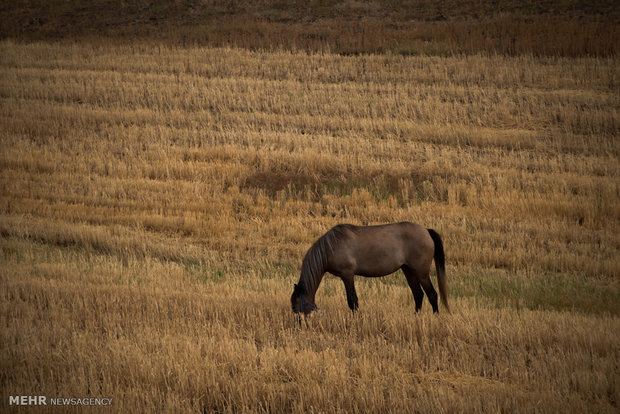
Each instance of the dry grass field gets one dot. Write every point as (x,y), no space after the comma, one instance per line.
(156,202)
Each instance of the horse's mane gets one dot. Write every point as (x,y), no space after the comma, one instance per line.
(316,258)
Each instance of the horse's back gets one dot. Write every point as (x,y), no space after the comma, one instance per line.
(393,232)
(403,232)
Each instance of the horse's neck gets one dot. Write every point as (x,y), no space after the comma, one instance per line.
(314,264)
(311,282)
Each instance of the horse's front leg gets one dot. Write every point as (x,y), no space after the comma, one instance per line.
(349,285)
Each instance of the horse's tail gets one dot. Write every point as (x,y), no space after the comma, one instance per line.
(440,265)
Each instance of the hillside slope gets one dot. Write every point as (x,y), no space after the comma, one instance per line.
(568,28)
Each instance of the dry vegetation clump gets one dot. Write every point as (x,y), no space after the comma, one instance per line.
(156,201)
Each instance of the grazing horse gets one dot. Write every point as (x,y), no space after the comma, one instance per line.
(373,251)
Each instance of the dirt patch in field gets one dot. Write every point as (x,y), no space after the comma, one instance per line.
(315,186)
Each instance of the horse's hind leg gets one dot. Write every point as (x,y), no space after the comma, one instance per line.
(416,289)
(425,281)
(349,285)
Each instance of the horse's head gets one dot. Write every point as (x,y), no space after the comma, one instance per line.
(299,303)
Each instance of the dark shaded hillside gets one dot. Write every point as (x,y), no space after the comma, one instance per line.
(565,28)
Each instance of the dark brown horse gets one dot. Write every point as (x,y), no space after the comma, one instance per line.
(373,251)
